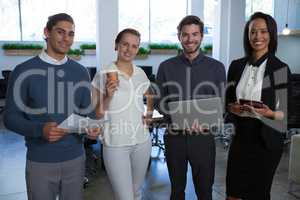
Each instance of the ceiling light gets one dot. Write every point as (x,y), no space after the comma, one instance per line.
(286,30)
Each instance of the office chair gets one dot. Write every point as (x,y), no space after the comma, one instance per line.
(294,115)
(91,162)
(147,69)
(92,71)
(3,88)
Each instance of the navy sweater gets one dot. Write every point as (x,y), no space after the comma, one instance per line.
(40,92)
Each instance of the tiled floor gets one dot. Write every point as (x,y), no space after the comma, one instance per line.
(157,186)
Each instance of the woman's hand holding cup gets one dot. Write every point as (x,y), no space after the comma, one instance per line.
(111,83)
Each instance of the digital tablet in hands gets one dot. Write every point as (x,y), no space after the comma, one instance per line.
(255,104)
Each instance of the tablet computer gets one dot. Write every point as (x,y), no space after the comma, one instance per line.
(255,104)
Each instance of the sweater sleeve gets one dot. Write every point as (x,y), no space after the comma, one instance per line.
(16,110)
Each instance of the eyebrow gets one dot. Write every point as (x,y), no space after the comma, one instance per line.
(265,28)
(196,32)
(61,29)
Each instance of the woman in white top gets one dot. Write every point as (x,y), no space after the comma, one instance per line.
(126,139)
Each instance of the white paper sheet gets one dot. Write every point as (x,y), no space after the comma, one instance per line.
(77,124)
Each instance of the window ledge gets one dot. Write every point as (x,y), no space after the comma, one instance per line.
(22,52)
(90,52)
(141,57)
(164,51)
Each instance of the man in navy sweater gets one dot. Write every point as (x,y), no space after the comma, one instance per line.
(43,92)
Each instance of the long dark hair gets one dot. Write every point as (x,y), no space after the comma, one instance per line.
(272,29)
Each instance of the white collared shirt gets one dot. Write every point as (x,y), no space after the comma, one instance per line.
(250,84)
(125,111)
(48,59)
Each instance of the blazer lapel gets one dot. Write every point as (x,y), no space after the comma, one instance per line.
(268,84)
(240,71)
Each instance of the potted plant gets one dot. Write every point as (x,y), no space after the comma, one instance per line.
(75,54)
(19,49)
(88,49)
(207,49)
(163,48)
(142,53)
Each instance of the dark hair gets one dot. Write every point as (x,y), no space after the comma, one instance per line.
(188,20)
(54,19)
(272,29)
(124,31)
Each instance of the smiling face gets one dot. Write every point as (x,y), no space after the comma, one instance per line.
(59,39)
(128,47)
(259,37)
(190,38)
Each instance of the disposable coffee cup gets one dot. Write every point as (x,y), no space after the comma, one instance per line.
(112,75)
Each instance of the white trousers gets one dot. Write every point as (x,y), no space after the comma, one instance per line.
(126,168)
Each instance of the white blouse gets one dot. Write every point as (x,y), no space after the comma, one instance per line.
(125,111)
(250,84)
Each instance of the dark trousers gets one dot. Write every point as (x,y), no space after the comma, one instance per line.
(200,151)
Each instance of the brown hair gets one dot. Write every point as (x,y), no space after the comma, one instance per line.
(54,19)
(188,20)
(127,30)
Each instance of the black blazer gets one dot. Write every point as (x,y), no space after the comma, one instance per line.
(275,91)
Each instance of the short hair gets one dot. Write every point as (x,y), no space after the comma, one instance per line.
(188,20)
(272,29)
(127,30)
(54,19)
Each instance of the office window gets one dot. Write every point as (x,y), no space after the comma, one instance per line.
(155,19)
(9,20)
(209,20)
(136,16)
(253,6)
(165,19)
(35,14)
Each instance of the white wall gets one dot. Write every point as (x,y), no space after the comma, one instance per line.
(197,8)
(228,36)
(288,51)
(107,29)
(288,46)
(280,13)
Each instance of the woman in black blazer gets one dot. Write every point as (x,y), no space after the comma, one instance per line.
(260,123)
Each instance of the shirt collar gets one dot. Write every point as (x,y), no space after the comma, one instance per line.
(259,61)
(196,60)
(48,59)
